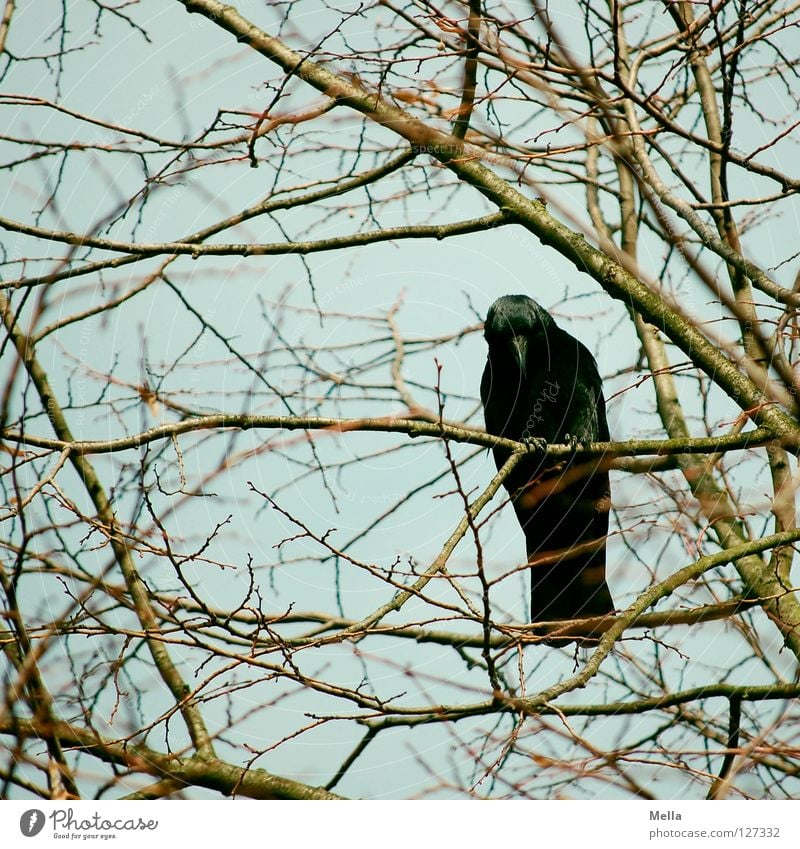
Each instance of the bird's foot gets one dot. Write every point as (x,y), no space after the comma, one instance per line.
(575,442)
(535,443)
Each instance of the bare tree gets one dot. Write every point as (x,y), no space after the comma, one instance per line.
(253,542)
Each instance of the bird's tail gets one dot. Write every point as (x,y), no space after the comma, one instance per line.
(569,583)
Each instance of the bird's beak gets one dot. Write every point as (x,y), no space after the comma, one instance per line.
(519,347)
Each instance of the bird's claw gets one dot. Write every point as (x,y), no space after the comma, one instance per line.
(575,442)
(534,443)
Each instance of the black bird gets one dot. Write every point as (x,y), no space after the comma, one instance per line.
(541,383)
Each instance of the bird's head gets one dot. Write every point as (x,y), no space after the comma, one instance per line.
(516,324)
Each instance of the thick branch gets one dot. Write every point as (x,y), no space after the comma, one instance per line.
(615,452)
(209,772)
(195,250)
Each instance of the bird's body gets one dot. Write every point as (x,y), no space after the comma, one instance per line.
(542,383)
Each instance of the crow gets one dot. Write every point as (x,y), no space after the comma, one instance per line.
(542,384)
